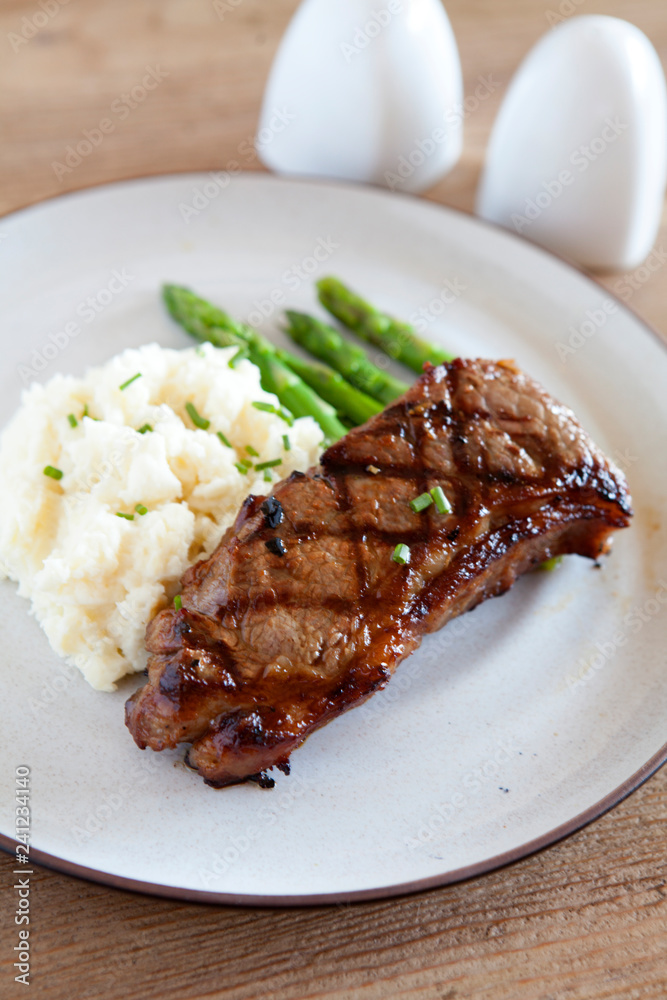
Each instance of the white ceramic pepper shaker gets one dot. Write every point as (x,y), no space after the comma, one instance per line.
(365,90)
(578,155)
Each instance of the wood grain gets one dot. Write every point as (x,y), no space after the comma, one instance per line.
(584,920)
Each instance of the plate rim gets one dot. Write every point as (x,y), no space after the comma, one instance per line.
(467,872)
(331,182)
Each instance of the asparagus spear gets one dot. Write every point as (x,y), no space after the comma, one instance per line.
(351,361)
(395,338)
(199,317)
(206,322)
(330,385)
(293,393)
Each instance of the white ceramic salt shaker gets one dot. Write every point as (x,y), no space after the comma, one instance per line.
(578,155)
(365,90)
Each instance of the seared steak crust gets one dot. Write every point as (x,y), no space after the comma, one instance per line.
(301,613)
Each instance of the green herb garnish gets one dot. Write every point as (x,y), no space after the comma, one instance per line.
(243,469)
(50,470)
(140,509)
(178,602)
(223,439)
(421,502)
(198,421)
(146,427)
(279,411)
(73,422)
(401,554)
(239,356)
(128,517)
(442,504)
(130,381)
(269,465)
(252,451)
(287,444)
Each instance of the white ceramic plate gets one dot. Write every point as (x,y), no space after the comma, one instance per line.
(510,728)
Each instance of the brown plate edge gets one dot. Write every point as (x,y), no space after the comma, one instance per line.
(362,895)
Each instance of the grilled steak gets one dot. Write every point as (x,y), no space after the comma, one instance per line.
(301,612)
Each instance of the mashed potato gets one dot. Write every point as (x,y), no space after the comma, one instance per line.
(95,579)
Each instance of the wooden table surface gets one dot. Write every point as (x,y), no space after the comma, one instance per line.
(586,918)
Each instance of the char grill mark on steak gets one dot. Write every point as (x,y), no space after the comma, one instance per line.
(270,646)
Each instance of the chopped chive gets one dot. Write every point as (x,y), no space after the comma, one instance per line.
(251,451)
(269,465)
(243,469)
(198,421)
(73,422)
(442,504)
(128,517)
(140,509)
(146,427)
(130,381)
(552,563)
(245,462)
(223,439)
(401,554)
(85,411)
(50,470)
(287,444)
(421,502)
(239,356)
(267,476)
(178,602)
(280,411)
